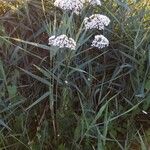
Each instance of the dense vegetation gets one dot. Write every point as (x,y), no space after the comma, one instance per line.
(86,100)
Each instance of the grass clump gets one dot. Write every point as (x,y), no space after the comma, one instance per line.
(84,99)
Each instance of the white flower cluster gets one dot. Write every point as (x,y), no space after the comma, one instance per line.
(62,41)
(73,5)
(100,41)
(96,21)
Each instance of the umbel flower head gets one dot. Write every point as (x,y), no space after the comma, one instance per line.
(73,5)
(96,21)
(62,41)
(100,41)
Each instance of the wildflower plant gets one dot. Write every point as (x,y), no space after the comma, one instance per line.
(95,21)
(65,86)
(68,39)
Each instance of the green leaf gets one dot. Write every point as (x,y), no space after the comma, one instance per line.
(39,100)
(37,77)
(12,90)
(147,85)
(62,147)
(4,125)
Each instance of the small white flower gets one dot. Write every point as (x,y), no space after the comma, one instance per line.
(62,41)
(89,79)
(144,112)
(100,41)
(96,21)
(95,2)
(51,39)
(70,5)
(66,81)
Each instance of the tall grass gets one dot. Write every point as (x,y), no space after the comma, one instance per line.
(88,99)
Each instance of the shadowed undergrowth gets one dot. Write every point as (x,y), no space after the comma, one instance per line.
(90,99)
